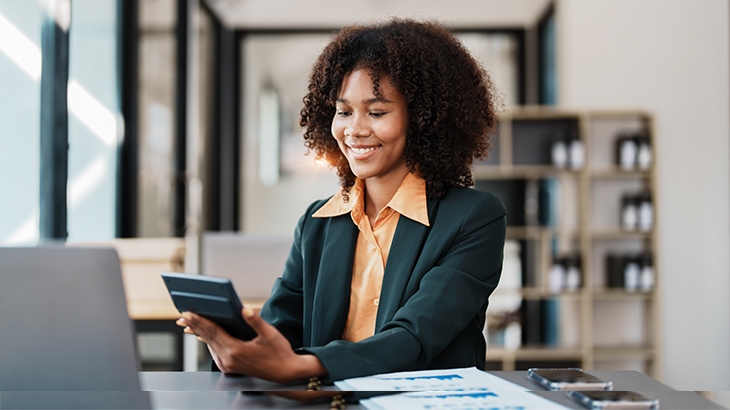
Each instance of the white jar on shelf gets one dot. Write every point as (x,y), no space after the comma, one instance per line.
(572,278)
(557,277)
(576,154)
(627,151)
(559,151)
(645,217)
(643,155)
(632,274)
(629,213)
(647,273)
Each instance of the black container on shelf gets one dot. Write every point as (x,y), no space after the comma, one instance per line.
(565,273)
(614,271)
(633,151)
(637,212)
(631,272)
(539,322)
(532,139)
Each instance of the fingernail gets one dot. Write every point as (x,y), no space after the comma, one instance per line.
(248,312)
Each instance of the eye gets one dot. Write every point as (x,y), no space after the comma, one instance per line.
(377,114)
(343,113)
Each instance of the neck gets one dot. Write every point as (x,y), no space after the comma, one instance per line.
(378,192)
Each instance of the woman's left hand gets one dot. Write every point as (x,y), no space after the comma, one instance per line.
(268,356)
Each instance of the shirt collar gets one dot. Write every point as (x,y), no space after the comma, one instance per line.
(409,200)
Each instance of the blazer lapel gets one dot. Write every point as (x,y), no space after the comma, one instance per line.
(332,292)
(404,252)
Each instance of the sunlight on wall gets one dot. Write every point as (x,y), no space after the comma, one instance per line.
(20,49)
(102,122)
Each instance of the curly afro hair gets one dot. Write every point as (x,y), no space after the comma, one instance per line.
(450,98)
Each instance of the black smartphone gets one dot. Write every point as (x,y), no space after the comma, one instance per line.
(211,297)
(571,378)
(625,400)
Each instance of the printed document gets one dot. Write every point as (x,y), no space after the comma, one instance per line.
(467,388)
(507,400)
(466,379)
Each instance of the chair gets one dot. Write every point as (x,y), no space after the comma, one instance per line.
(251,261)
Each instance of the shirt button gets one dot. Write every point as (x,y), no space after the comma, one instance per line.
(376,302)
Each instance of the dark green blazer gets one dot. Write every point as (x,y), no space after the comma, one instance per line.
(435,291)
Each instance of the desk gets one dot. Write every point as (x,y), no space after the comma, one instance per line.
(207,390)
(214,390)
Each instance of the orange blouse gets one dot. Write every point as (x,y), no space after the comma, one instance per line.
(373,245)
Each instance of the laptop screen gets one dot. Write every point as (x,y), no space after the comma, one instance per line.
(63,321)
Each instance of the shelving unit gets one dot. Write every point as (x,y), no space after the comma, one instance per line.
(599,327)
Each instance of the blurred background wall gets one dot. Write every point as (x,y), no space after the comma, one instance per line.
(670,58)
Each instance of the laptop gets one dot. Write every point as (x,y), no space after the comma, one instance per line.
(64,327)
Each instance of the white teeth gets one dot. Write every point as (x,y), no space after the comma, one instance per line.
(359,151)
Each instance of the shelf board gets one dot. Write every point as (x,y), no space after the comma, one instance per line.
(535,293)
(623,353)
(618,233)
(618,294)
(556,353)
(539,232)
(520,172)
(535,353)
(615,173)
(611,114)
(541,112)
(525,232)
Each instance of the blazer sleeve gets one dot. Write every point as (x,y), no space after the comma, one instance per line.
(450,295)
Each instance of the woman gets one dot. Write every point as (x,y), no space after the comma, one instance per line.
(393,272)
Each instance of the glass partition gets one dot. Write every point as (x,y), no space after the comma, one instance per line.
(95,125)
(20,70)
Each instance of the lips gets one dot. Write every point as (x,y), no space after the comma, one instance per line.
(359,151)
(363,152)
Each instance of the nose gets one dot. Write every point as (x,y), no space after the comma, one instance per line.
(357,128)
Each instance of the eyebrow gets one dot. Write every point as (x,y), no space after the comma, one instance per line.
(368,101)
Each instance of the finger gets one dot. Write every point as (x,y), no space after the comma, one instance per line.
(190,316)
(181,322)
(208,331)
(199,323)
(188,330)
(257,323)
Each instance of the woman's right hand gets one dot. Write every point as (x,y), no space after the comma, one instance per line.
(268,356)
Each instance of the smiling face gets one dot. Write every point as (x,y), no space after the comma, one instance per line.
(370,130)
